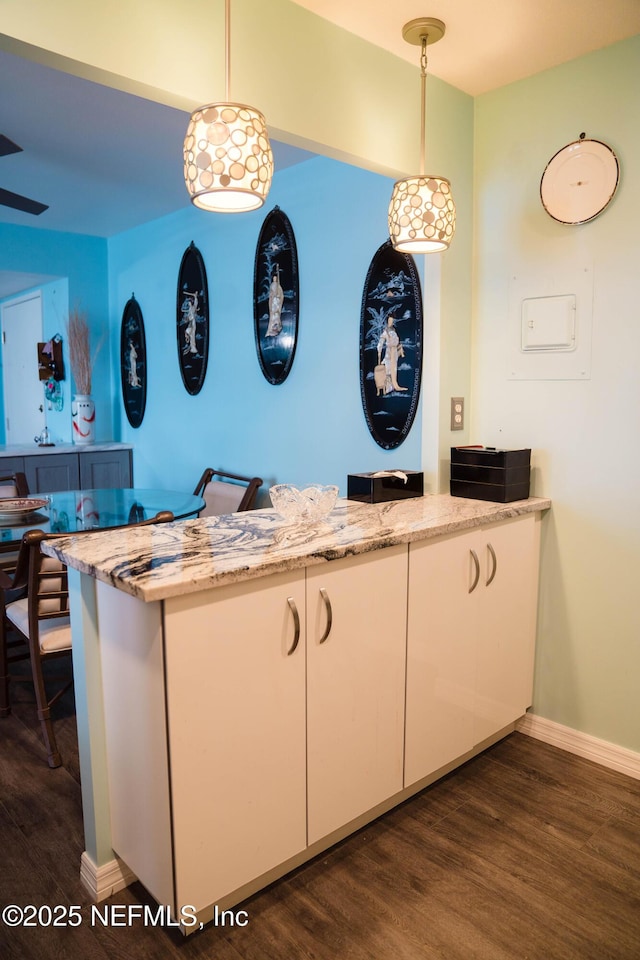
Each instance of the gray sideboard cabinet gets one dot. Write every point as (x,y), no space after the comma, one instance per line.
(69,467)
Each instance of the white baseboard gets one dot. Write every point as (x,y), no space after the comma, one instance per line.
(573,741)
(102,882)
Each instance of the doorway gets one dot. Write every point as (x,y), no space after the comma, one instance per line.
(21,324)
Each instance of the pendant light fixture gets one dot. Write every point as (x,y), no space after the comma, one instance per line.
(228,163)
(422,214)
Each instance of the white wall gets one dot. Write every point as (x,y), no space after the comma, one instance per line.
(583,432)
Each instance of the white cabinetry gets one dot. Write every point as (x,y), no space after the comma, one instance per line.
(283,718)
(356,637)
(235,691)
(507,595)
(440,657)
(249,724)
(471,635)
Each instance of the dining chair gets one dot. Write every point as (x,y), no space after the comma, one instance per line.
(226,492)
(12,486)
(35,623)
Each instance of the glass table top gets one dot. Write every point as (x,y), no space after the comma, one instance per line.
(66,511)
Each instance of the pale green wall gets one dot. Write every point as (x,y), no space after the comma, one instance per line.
(584,433)
(317,85)
(456,272)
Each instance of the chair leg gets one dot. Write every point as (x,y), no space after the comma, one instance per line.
(5,703)
(44,711)
(53,755)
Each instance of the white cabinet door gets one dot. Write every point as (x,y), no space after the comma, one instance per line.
(133,696)
(236,729)
(441,644)
(355,686)
(471,636)
(507,592)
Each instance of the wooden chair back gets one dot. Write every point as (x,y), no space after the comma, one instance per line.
(13,485)
(226,492)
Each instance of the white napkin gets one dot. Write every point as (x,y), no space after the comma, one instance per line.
(391,473)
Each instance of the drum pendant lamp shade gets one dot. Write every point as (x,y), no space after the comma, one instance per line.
(228,162)
(422,213)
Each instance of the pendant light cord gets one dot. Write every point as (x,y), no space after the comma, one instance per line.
(227,49)
(423,103)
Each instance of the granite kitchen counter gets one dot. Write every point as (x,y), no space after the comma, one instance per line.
(167,560)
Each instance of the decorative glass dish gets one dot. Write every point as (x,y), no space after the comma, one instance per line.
(303,505)
(16,507)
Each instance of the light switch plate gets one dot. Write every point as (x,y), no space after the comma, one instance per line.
(457,413)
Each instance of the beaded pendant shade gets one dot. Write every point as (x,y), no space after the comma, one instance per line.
(422,214)
(228,163)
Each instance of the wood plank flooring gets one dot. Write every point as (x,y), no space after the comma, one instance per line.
(525,853)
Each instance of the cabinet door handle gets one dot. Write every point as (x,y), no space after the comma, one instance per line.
(476,577)
(327,603)
(495,564)
(296,625)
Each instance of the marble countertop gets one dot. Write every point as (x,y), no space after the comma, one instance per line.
(33,449)
(164,560)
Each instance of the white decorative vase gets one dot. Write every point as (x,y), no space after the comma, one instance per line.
(83,417)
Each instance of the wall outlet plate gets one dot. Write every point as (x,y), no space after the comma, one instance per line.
(457,413)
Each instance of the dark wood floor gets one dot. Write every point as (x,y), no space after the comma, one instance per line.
(526,852)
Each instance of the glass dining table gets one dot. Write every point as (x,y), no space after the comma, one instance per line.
(68,511)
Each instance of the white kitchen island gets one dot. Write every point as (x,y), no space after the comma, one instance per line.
(249,692)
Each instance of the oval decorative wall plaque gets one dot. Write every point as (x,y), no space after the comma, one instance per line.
(391,346)
(192,320)
(276,296)
(133,362)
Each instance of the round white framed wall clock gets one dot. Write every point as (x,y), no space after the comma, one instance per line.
(579,181)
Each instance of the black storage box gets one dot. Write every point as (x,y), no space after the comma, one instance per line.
(486,473)
(371,489)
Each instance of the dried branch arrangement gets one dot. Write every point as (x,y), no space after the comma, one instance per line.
(80,358)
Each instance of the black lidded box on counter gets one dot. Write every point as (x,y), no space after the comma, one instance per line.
(486,473)
(369,488)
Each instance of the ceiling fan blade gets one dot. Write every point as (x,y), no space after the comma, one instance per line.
(17,202)
(8,146)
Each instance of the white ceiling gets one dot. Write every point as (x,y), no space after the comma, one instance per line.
(488,44)
(106,161)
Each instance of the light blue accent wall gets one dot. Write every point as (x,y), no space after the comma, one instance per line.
(311,428)
(78,265)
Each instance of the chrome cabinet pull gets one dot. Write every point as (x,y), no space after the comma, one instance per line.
(327,603)
(495,564)
(477,573)
(296,625)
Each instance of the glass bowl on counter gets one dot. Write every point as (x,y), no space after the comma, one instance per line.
(303,504)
